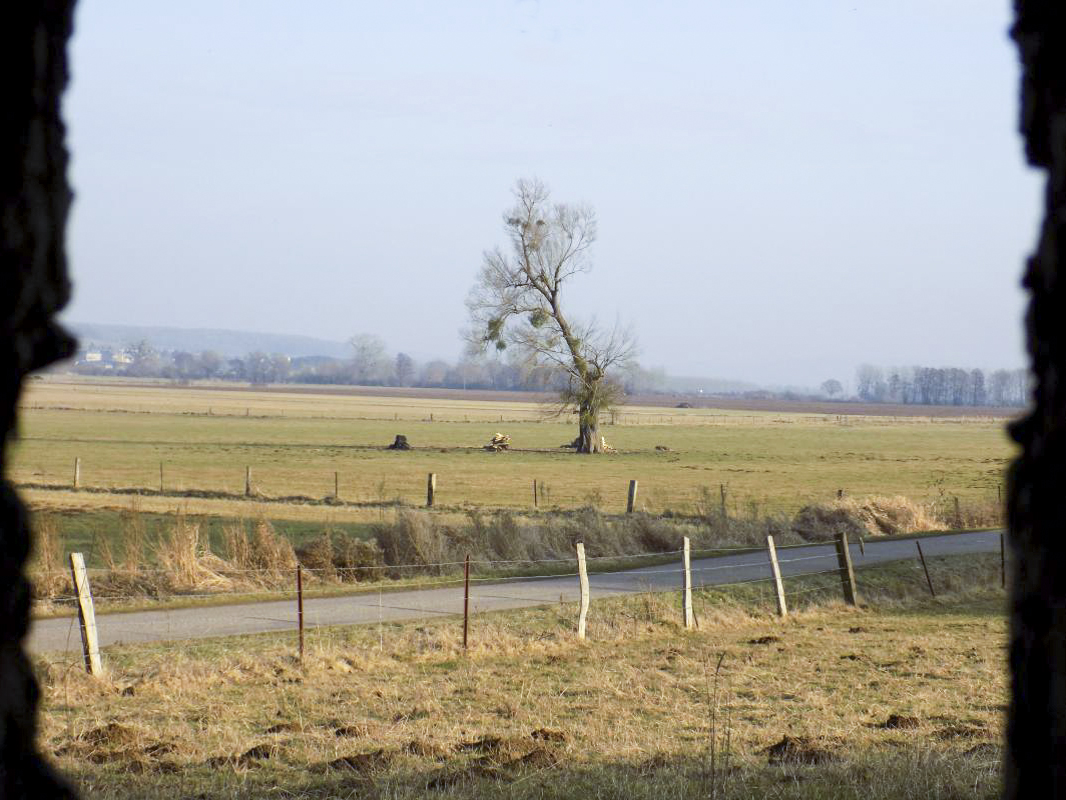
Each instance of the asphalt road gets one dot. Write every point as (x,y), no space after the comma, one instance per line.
(58,635)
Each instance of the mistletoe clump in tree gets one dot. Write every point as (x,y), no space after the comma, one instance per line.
(517,303)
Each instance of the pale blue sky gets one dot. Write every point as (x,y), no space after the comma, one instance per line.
(785,189)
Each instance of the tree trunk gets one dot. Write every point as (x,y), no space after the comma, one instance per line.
(34,198)
(589,437)
(1035,762)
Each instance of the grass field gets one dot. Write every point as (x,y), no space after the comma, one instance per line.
(903,698)
(295,442)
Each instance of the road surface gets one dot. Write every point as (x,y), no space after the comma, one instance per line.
(61,634)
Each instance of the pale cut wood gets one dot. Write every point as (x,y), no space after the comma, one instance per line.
(86,615)
(583,581)
(779,586)
(686,594)
(631,501)
(431,489)
(247,481)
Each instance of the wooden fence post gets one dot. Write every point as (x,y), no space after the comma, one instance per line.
(300,607)
(431,489)
(928,580)
(631,501)
(86,615)
(466,601)
(775,569)
(847,574)
(77,472)
(336,486)
(686,591)
(247,481)
(534,493)
(583,581)
(721,492)
(161,477)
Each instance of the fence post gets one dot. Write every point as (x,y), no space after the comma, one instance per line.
(925,567)
(431,488)
(686,592)
(247,481)
(86,615)
(775,569)
(583,581)
(534,493)
(336,486)
(466,601)
(300,607)
(721,492)
(631,501)
(847,574)
(77,472)
(161,477)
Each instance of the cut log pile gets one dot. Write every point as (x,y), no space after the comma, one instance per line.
(501,441)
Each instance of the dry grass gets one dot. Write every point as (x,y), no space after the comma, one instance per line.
(901,699)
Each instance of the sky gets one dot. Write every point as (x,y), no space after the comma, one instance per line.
(784,190)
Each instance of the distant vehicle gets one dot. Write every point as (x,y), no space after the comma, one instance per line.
(683,405)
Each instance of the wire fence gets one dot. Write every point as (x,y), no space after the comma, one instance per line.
(286,612)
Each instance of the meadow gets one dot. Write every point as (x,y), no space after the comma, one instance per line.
(900,698)
(295,442)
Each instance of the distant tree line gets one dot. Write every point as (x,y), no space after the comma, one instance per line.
(942,386)
(371,364)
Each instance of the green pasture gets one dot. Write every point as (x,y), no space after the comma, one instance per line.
(768,463)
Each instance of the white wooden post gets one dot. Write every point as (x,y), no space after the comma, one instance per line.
(86,615)
(686,594)
(77,472)
(583,580)
(775,568)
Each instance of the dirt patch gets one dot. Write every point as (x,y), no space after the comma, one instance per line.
(950,732)
(418,747)
(363,763)
(799,750)
(249,758)
(765,640)
(900,722)
(499,747)
(113,734)
(352,731)
(286,727)
(549,735)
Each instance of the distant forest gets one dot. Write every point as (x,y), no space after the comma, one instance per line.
(372,365)
(942,386)
(369,365)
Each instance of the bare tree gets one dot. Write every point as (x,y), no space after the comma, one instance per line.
(368,358)
(831,388)
(517,301)
(404,369)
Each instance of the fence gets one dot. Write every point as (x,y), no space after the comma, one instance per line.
(290,613)
(948,508)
